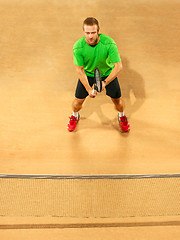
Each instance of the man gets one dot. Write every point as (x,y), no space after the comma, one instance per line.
(91,51)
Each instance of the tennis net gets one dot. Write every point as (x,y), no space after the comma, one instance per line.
(95,196)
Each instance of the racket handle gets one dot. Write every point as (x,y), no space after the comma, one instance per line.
(95,87)
(93,91)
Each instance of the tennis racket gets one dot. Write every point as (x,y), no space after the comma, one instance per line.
(97,80)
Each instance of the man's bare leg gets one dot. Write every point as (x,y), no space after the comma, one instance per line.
(76,107)
(77,104)
(119,105)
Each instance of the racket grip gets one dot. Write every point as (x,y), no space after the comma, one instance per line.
(95,87)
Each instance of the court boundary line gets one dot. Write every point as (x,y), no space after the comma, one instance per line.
(113,176)
(90,225)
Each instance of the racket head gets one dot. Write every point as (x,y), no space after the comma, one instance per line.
(97,80)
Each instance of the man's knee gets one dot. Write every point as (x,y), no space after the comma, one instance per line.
(77,104)
(117,101)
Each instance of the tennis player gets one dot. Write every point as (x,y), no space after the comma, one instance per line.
(91,51)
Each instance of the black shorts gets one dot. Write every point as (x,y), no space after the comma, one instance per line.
(112,89)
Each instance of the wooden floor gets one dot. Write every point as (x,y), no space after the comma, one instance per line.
(37,85)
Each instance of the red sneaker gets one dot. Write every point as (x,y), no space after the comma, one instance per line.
(124,123)
(72,123)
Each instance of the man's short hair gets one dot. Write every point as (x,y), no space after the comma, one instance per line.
(90,21)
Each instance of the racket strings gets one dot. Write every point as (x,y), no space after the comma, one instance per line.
(97,76)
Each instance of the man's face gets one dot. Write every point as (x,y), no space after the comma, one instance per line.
(91,34)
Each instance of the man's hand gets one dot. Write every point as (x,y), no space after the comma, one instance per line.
(92,93)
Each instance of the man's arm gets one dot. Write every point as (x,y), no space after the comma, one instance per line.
(84,80)
(116,70)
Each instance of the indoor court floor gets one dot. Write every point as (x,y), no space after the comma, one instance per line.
(37,85)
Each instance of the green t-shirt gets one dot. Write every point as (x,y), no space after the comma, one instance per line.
(102,55)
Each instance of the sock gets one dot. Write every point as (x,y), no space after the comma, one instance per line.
(75,114)
(121,114)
